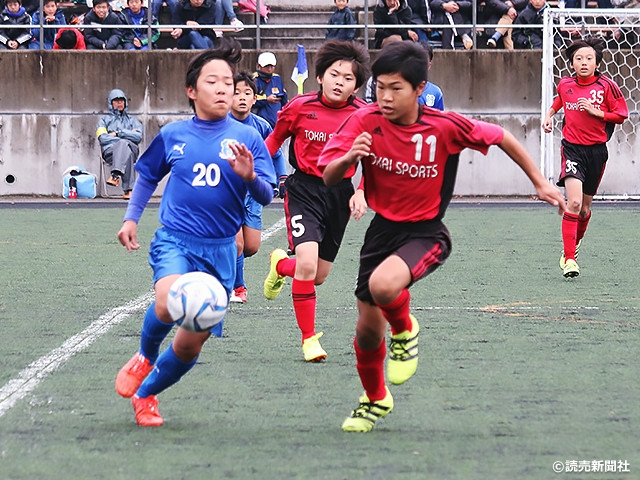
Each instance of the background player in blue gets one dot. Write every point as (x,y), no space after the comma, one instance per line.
(212,169)
(248,238)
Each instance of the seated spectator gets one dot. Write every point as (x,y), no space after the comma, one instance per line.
(194,13)
(119,135)
(97,38)
(420,15)
(452,12)
(500,12)
(529,38)
(52,15)
(341,16)
(392,12)
(69,39)
(138,38)
(14,38)
(225,8)
(156,5)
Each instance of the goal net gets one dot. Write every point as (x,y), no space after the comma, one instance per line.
(620,28)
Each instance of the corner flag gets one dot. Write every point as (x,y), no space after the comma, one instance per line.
(300,72)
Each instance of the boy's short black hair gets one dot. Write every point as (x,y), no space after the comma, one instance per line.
(333,50)
(98,2)
(428,49)
(596,43)
(246,78)
(408,59)
(228,50)
(67,40)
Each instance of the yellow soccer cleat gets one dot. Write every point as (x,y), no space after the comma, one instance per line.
(273,283)
(403,354)
(571,269)
(563,259)
(364,417)
(312,350)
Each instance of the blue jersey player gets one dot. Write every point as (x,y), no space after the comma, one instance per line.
(248,238)
(213,161)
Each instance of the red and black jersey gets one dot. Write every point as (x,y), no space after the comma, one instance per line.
(410,174)
(310,122)
(580,127)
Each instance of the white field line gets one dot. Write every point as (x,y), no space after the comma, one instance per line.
(29,378)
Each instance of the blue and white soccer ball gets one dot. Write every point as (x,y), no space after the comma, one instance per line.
(197,301)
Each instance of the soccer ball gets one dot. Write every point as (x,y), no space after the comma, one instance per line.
(197,301)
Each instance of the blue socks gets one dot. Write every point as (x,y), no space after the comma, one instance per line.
(239,282)
(169,369)
(153,333)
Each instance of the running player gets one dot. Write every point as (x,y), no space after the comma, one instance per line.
(409,155)
(592,104)
(248,238)
(212,168)
(316,215)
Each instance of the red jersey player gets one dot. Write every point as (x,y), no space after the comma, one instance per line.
(316,215)
(592,104)
(409,155)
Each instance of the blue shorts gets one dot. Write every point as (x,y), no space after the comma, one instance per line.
(172,252)
(252,213)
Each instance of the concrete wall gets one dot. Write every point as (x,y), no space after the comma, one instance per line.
(50,103)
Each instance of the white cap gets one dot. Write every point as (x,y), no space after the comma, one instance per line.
(266,58)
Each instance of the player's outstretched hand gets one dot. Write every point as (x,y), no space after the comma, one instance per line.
(128,235)
(552,196)
(547,124)
(242,162)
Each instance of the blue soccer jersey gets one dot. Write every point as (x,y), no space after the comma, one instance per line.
(432,97)
(263,127)
(203,196)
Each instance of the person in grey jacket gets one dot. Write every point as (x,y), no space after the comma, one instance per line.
(119,135)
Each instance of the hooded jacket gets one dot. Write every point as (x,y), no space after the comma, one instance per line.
(125,126)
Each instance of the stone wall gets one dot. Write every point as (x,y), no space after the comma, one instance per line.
(50,102)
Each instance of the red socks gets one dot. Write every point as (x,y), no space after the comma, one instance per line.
(303,293)
(286,267)
(370,365)
(583,223)
(397,313)
(570,223)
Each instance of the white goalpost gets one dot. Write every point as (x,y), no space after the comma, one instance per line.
(620,28)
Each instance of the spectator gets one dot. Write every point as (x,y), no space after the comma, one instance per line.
(194,13)
(14,38)
(452,12)
(225,8)
(529,38)
(392,12)
(138,38)
(500,12)
(272,95)
(119,135)
(52,16)
(156,5)
(69,39)
(341,16)
(420,15)
(97,38)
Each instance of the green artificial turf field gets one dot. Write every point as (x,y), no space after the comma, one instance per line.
(519,367)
